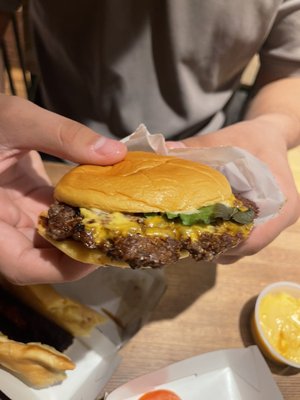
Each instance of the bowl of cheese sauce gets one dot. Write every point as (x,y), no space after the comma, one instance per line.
(276,322)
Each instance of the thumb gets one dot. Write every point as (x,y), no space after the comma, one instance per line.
(29,127)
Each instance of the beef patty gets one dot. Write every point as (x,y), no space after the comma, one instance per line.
(65,222)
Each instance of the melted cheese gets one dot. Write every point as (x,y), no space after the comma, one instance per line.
(280,320)
(105,226)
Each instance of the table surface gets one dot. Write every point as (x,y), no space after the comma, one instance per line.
(206,306)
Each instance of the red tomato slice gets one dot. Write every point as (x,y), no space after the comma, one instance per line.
(161,394)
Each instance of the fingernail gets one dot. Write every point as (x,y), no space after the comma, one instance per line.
(108,147)
(175,145)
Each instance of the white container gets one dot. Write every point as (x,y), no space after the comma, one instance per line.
(231,374)
(261,338)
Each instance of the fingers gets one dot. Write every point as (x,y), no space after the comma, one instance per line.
(29,127)
(175,145)
(226,260)
(46,266)
(22,264)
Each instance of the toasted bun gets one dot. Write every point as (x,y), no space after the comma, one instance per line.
(79,252)
(35,364)
(144,182)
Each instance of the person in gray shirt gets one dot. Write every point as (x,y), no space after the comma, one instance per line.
(106,66)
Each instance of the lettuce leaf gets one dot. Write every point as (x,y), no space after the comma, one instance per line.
(210,214)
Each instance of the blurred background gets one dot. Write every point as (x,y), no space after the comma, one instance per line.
(18,72)
(16,66)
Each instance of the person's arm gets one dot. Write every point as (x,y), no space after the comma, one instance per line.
(25,188)
(279,101)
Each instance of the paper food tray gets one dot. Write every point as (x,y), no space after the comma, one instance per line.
(93,369)
(235,374)
(126,294)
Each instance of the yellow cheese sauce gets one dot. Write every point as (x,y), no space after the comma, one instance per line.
(279,315)
(106,226)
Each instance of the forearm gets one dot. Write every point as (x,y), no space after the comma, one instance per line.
(279,102)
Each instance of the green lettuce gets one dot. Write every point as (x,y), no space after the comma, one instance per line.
(210,214)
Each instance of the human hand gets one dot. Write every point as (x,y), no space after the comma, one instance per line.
(25,189)
(264,137)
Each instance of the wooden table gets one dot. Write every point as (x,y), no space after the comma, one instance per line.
(207,306)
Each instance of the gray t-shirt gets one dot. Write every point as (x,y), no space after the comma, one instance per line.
(171,64)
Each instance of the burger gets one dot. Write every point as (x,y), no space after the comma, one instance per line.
(148,210)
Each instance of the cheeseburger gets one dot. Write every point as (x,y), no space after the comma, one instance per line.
(146,211)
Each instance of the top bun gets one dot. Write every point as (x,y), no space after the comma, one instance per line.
(144,182)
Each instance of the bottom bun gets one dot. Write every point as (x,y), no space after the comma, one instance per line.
(79,252)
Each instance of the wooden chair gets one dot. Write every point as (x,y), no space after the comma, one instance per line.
(9,22)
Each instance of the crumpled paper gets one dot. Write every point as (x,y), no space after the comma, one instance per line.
(247,175)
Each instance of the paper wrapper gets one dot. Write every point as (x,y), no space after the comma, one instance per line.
(232,374)
(247,175)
